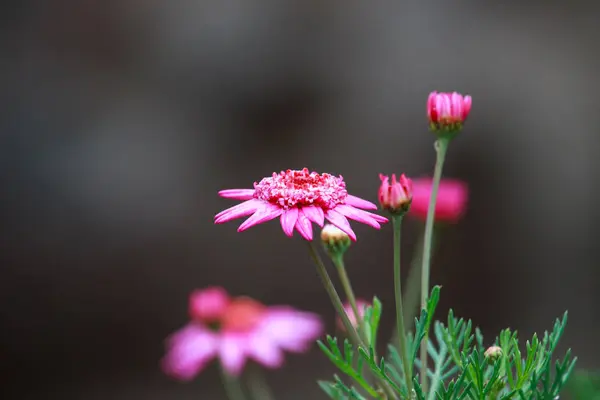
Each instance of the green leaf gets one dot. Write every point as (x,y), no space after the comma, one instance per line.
(345,363)
(332,390)
(381,370)
(372,318)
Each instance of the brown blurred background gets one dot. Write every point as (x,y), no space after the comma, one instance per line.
(122,118)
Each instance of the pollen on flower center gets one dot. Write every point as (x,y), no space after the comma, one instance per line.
(242,315)
(293,188)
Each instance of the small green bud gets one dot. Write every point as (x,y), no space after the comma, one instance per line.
(335,241)
(492,354)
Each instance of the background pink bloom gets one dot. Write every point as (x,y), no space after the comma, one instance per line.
(451,200)
(246,329)
(208,304)
(360,305)
(299,198)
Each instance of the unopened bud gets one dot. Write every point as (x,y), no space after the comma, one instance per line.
(395,196)
(335,241)
(447,111)
(492,354)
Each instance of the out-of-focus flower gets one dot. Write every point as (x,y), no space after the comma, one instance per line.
(335,240)
(299,198)
(361,305)
(397,195)
(244,329)
(208,304)
(447,111)
(451,199)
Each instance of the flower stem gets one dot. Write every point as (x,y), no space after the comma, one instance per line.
(441,146)
(339,307)
(413,281)
(338,261)
(258,385)
(232,386)
(334,297)
(397,222)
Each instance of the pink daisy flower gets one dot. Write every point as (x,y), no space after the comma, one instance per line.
(451,199)
(299,198)
(243,328)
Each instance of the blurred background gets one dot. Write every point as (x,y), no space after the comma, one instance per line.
(123,118)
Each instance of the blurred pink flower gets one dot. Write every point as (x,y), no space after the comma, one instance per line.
(360,305)
(300,198)
(451,200)
(396,196)
(208,304)
(447,110)
(241,330)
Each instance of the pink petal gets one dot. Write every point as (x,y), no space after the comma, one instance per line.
(288,220)
(341,222)
(265,351)
(233,353)
(360,203)
(188,351)
(304,226)
(290,329)
(358,215)
(315,214)
(239,194)
(267,213)
(238,211)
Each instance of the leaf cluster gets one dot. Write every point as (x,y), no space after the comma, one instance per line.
(460,368)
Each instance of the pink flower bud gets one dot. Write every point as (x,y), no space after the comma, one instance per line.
(397,195)
(447,111)
(208,304)
(451,199)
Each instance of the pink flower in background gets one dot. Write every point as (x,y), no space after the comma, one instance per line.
(208,304)
(241,329)
(397,195)
(360,305)
(447,110)
(299,198)
(451,200)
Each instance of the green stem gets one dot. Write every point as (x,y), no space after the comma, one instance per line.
(397,222)
(339,307)
(232,386)
(334,297)
(258,385)
(441,146)
(413,281)
(338,261)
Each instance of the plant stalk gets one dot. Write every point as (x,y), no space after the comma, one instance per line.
(338,261)
(232,386)
(441,146)
(397,222)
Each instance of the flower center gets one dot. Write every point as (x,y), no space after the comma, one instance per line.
(242,315)
(296,188)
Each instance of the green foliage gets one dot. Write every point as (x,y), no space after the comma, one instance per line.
(584,385)
(460,368)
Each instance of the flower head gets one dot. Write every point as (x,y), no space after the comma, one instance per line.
(299,198)
(451,199)
(243,329)
(361,305)
(447,111)
(397,195)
